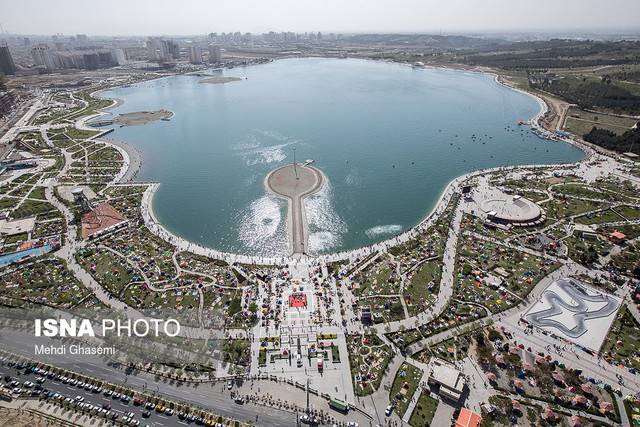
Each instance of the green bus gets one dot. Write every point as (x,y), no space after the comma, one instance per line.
(339,405)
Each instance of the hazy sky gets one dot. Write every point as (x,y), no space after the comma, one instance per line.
(176,17)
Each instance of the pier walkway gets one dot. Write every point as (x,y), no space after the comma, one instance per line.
(295,182)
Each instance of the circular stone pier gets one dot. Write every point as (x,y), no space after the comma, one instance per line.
(295,182)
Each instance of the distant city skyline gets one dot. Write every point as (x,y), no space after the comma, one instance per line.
(191,17)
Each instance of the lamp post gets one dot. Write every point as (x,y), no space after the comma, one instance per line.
(295,171)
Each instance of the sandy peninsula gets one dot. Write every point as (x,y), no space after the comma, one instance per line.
(141,117)
(217,80)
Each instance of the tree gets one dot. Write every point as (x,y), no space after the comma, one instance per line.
(396,308)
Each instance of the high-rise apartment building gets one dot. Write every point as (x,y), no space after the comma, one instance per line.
(215,54)
(6,60)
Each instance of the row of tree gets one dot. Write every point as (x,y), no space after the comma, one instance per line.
(628,142)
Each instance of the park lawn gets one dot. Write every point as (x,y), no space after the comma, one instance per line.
(374,280)
(138,295)
(580,190)
(582,250)
(37,193)
(602,119)
(460,346)
(624,189)
(237,351)
(74,133)
(405,337)
(385,309)
(31,208)
(623,341)
(582,127)
(47,281)
(559,209)
(370,359)
(407,379)
(8,203)
(110,272)
(105,154)
(418,289)
(629,212)
(600,217)
(628,259)
(424,411)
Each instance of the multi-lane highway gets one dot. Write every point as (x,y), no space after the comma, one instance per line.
(214,397)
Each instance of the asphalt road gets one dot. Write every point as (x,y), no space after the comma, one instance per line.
(97,399)
(210,396)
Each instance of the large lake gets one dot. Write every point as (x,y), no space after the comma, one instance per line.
(388,137)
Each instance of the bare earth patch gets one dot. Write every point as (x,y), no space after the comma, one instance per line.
(141,117)
(216,80)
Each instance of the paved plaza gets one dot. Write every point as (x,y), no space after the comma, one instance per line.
(575,312)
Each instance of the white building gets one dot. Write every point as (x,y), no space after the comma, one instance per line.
(215,54)
(195,54)
(42,56)
(118,56)
(450,380)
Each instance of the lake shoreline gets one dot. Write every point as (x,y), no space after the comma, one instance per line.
(441,200)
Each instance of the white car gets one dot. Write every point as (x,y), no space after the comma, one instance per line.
(388,411)
(80,398)
(28,384)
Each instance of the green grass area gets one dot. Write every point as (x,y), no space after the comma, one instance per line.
(404,385)
(423,287)
(404,338)
(585,191)
(586,251)
(20,237)
(622,344)
(37,193)
(47,281)
(423,413)
(110,271)
(8,203)
(628,261)
(580,122)
(237,351)
(559,208)
(74,133)
(478,259)
(31,208)
(369,358)
(453,349)
(377,279)
(629,212)
(107,154)
(607,215)
(138,295)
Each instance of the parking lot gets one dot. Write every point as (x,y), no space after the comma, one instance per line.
(21,380)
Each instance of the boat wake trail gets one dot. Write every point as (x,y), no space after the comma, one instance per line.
(264,147)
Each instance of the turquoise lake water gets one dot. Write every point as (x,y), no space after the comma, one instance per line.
(388,137)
